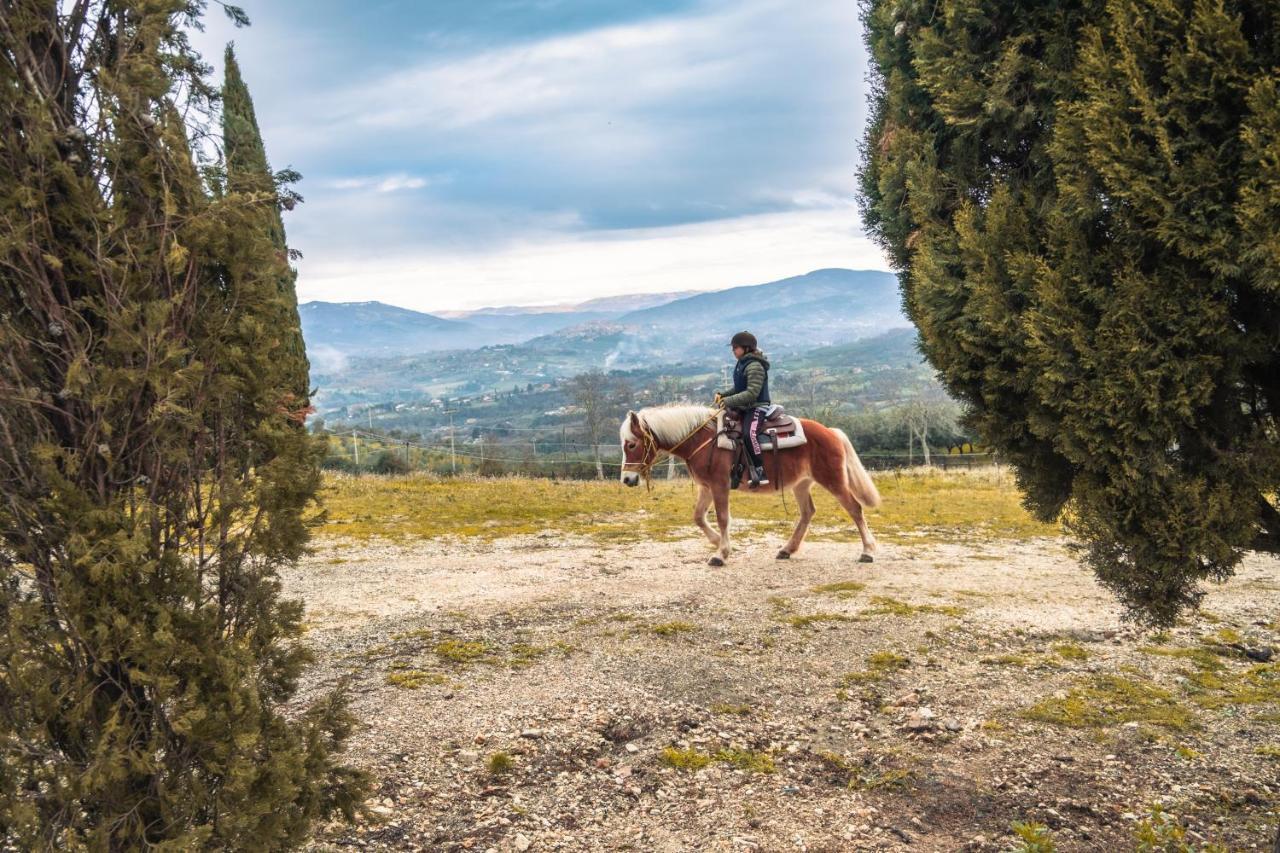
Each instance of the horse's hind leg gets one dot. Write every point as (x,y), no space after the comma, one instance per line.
(720,495)
(804,500)
(851,506)
(700,514)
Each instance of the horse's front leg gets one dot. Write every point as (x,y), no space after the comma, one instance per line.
(700,514)
(720,495)
(804,500)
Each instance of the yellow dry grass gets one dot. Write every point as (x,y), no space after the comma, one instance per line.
(918,507)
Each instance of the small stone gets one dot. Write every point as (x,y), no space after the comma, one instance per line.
(632,748)
(523,843)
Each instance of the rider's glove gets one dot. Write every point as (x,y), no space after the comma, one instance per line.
(719,401)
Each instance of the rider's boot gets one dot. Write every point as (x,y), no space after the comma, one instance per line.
(755,469)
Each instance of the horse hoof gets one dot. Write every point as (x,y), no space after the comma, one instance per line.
(715,561)
(866,558)
(784,554)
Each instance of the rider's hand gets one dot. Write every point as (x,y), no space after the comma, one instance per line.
(718,402)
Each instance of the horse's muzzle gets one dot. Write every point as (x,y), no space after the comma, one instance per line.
(630,478)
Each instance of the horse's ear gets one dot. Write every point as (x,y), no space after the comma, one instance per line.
(633,421)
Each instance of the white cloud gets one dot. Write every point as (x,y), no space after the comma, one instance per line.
(560,268)
(382,184)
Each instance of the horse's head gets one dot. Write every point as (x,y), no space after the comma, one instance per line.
(639,450)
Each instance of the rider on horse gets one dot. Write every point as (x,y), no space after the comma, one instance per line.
(750,394)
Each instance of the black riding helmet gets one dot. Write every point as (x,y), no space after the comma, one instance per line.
(746,340)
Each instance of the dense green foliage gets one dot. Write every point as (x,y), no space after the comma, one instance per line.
(1083,200)
(154,472)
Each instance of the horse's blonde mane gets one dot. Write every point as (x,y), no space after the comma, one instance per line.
(669,424)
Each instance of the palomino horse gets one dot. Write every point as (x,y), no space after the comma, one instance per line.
(689,432)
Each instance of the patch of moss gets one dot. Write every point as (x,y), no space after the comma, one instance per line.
(880,665)
(412,679)
(524,654)
(1071,651)
(1202,656)
(883,605)
(461,651)
(887,661)
(1219,688)
(1006,660)
(684,759)
(755,761)
(693,759)
(841,589)
(1215,684)
(1270,750)
(1228,636)
(729,709)
(499,763)
(1108,700)
(671,629)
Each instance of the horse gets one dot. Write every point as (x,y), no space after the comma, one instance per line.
(690,433)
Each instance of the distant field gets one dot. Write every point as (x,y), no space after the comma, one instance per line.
(916,506)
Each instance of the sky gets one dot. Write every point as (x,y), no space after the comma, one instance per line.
(464,153)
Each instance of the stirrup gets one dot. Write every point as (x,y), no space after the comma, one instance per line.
(757,476)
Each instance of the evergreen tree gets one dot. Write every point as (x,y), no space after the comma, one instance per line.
(249,173)
(1083,200)
(154,474)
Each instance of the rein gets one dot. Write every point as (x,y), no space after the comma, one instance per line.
(660,455)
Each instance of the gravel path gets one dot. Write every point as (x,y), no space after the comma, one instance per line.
(543,693)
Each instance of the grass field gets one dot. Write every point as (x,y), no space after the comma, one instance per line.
(916,505)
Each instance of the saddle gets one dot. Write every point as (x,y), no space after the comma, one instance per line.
(778,432)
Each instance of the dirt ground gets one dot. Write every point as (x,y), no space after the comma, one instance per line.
(544,693)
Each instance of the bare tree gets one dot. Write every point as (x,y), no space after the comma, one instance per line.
(931,408)
(601,398)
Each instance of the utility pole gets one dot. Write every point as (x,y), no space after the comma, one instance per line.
(453,456)
(355,446)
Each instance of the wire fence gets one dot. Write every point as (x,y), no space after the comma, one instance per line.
(361,450)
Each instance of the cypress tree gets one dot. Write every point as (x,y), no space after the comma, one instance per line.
(1083,201)
(249,173)
(154,475)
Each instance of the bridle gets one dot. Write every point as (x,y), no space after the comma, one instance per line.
(654,455)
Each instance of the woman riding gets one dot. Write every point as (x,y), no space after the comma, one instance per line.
(750,394)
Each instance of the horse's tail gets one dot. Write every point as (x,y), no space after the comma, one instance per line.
(857,478)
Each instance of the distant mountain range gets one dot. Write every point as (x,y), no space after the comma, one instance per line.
(826,307)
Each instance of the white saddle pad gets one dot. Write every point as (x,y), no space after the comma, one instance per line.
(766,440)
